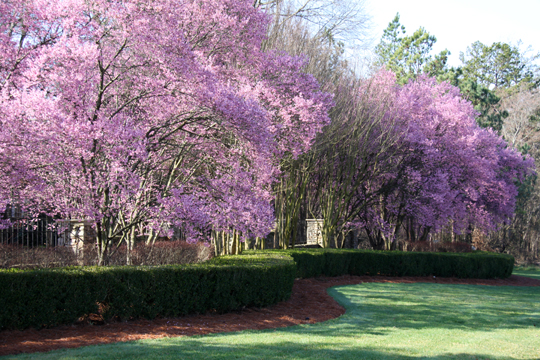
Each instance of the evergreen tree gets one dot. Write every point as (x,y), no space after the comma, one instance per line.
(409,56)
(498,66)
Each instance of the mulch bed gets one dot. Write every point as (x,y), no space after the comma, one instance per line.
(309,303)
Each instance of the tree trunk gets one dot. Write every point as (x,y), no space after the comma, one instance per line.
(130,243)
(101,244)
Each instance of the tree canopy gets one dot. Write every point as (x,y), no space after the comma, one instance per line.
(409,56)
(406,158)
(140,116)
(144,117)
(498,65)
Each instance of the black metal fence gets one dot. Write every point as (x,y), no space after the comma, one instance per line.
(40,232)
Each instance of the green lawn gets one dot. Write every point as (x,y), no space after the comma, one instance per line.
(529,271)
(383,321)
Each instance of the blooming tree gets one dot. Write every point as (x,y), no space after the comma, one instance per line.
(403,160)
(139,116)
(446,169)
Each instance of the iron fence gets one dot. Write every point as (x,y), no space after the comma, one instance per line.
(40,232)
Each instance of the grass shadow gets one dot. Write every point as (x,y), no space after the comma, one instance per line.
(383,321)
(192,349)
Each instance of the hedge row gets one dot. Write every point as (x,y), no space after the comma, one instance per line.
(50,297)
(335,262)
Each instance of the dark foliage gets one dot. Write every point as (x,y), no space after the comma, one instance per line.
(443,246)
(51,297)
(334,262)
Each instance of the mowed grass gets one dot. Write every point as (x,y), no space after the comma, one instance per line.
(529,271)
(383,321)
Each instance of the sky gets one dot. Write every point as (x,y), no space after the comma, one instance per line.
(458,23)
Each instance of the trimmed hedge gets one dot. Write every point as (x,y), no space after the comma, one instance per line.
(335,262)
(51,297)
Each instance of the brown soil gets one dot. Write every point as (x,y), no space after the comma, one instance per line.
(309,303)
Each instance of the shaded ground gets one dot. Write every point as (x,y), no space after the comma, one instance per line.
(309,303)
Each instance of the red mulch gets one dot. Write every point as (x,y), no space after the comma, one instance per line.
(309,303)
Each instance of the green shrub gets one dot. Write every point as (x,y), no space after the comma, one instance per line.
(335,262)
(50,297)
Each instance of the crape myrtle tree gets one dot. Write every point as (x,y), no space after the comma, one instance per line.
(325,63)
(408,159)
(353,154)
(512,74)
(484,67)
(331,181)
(491,77)
(315,30)
(144,116)
(446,170)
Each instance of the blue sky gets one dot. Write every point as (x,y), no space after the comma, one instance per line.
(458,23)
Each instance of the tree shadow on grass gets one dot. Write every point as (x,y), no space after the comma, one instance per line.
(193,349)
(372,310)
(372,307)
(530,272)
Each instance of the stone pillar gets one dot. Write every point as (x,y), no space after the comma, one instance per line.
(77,233)
(314,231)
